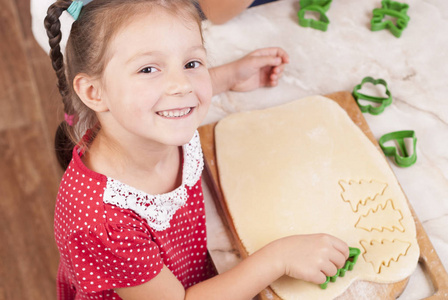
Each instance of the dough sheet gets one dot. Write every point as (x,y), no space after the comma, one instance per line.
(304,167)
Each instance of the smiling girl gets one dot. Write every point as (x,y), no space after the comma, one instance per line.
(129,218)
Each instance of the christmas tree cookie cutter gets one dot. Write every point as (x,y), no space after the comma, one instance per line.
(349,264)
(402,158)
(391,9)
(383,101)
(319,6)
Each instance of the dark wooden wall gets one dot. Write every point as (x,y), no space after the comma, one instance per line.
(30,110)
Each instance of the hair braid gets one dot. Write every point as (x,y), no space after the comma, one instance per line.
(53,27)
(63,143)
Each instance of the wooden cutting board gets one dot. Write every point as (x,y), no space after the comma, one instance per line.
(429,260)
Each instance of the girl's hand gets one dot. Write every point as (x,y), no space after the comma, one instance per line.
(311,257)
(260,68)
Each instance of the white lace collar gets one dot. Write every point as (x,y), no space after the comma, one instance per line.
(158,210)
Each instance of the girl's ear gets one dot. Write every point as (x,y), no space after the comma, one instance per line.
(89,91)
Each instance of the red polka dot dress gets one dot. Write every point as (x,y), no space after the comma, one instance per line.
(111,235)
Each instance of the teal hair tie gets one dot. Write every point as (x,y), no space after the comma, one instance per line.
(75,9)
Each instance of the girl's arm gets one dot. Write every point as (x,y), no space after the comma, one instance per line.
(307,257)
(221,11)
(260,68)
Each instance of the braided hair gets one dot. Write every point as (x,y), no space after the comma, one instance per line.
(63,143)
(86,52)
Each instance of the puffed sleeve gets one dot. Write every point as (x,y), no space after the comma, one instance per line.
(108,256)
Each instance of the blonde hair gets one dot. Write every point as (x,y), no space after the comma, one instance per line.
(86,52)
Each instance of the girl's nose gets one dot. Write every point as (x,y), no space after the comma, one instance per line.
(178,84)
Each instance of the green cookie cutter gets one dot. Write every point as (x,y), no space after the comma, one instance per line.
(403,159)
(349,264)
(324,4)
(393,9)
(320,6)
(384,102)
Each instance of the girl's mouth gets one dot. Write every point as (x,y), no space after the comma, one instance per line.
(175,113)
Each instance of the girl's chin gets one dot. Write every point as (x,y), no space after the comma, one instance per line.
(181,137)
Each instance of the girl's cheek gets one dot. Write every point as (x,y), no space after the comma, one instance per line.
(208,85)
(203,87)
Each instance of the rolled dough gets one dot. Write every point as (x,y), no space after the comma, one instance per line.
(305,167)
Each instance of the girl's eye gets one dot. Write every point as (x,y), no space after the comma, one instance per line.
(192,65)
(148,70)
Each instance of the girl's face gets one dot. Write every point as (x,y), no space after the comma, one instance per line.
(156,86)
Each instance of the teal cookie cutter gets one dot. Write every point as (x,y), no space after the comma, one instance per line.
(383,101)
(319,6)
(349,264)
(404,159)
(393,9)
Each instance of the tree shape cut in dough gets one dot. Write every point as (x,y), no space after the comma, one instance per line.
(387,214)
(382,253)
(360,192)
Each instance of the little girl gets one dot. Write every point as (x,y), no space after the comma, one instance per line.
(129,218)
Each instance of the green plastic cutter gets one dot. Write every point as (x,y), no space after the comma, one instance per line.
(349,264)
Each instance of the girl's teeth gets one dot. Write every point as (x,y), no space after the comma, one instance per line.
(177,113)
